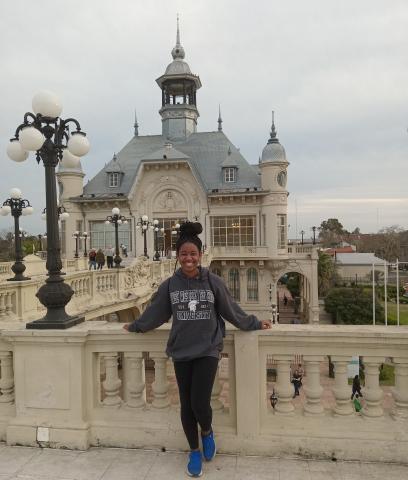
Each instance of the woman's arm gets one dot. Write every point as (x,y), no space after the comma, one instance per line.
(157,313)
(228,308)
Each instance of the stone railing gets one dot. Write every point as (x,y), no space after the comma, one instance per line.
(96,292)
(238,252)
(91,385)
(300,250)
(5,268)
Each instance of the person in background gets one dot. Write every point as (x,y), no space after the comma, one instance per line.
(92,259)
(198,301)
(100,259)
(356,387)
(124,250)
(109,254)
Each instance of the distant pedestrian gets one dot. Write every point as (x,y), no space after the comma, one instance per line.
(356,387)
(124,250)
(100,259)
(356,403)
(297,379)
(285,300)
(109,253)
(92,259)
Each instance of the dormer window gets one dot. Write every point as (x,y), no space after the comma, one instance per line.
(230,175)
(114,179)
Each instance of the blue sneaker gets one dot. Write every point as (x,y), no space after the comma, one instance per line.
(194,464)
(209,449)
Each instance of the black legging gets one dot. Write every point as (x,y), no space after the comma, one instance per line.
(195,379)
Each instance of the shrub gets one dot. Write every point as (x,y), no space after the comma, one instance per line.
(352,306)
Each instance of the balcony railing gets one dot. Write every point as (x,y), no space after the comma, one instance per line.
(91,385)
(238,252)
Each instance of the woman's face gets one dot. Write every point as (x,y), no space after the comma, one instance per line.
(189,257)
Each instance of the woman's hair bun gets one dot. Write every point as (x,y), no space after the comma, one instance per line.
(190,229)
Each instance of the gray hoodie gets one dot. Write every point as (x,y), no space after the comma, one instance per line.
(197,306)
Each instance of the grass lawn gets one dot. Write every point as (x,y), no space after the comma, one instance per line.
(392,314)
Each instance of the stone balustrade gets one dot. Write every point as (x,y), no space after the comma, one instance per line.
(96,292)
(90,385)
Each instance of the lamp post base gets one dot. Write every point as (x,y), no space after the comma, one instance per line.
(44,324)
(18,278)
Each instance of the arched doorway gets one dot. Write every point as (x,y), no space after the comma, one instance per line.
(293,298)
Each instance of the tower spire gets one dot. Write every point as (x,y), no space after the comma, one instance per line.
(136,125)
(178,50)
(219,119)
(273,137)
(178,31)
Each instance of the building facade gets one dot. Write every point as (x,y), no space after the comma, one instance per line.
(184,174)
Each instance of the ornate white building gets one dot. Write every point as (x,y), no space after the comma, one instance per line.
(186,174)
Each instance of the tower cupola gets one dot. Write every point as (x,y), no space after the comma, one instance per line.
(179,100)
(273,150)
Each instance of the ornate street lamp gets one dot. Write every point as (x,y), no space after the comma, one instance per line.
(144,224)
(314,235)
(85,238)
(45,133)
(302,232)
(156,240)
(77,236)
(116,219)
(17,206)
(62,214)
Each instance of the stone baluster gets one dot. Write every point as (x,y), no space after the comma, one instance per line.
(372,392)
(136,384)
(2,305)
(7,378)
(342,390)
(112,382)
(160,386)
(216,403)
(313,390)
(9,302)
(284,389)
(400,391)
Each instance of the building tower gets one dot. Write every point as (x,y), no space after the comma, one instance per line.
(273,166)
(179,101)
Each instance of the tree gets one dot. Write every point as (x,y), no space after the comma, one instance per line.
(326,269)
(352,306)
(386,244)
(331,232)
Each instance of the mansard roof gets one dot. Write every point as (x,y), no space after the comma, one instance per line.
(205,152)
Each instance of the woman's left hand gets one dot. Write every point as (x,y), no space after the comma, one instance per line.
(266,324)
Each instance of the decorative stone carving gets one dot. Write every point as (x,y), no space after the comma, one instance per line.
(137,275)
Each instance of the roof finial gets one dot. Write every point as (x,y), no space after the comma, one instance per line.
(219,119)
(178,50)
(136,125)
(273,138)
(178,31)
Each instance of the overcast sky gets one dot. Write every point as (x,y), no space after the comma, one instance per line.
(336,74)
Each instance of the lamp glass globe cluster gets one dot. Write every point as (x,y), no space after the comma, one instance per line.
(115,211)
(47,104)
(5,210)
(15,193)
(28,211)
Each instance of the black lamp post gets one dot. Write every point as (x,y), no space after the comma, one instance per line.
(77,236)
(116,219)
(144,224)
(45,133)
(17,206)
(157,229)
(314,234)
(302,232)
(85,238)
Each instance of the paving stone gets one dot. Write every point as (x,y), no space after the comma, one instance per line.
(131,465)
(12,459)
(254,468)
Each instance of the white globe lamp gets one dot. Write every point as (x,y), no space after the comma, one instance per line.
(47,104)
(16,152)
(31,139)
(78,144)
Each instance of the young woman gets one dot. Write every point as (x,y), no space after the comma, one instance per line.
(196,299)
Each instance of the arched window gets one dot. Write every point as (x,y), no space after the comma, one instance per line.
(233,283)
(252,284)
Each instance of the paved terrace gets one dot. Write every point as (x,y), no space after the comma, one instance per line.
(27,463)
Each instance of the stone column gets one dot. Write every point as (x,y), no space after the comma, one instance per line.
(284,389)
(216,403)
(400,391)
(7,378)
(313,390)
(372,392)
(112,382)
(160,386)
(342,390)
(136,385)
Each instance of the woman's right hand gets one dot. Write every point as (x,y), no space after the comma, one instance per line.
(126,326)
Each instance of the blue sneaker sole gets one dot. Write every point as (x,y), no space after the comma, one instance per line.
(194,474)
